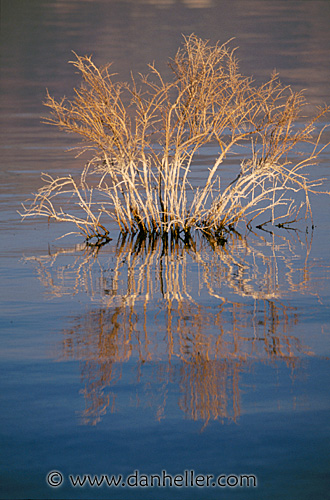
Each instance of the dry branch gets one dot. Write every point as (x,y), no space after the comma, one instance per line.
(145,135)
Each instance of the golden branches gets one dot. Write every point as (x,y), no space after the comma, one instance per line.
(145,136)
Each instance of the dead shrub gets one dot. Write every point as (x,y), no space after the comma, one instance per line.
(144,136)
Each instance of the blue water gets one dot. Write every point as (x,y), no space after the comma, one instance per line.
(281,441)
(117,362)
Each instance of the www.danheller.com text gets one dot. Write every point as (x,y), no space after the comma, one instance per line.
(187,479)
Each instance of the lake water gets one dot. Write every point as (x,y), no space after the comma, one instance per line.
(135,359)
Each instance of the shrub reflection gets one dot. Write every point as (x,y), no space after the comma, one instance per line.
(193,317)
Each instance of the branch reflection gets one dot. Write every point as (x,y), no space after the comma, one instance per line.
(190,317)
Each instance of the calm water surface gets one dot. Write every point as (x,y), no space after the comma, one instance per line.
(133,358)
